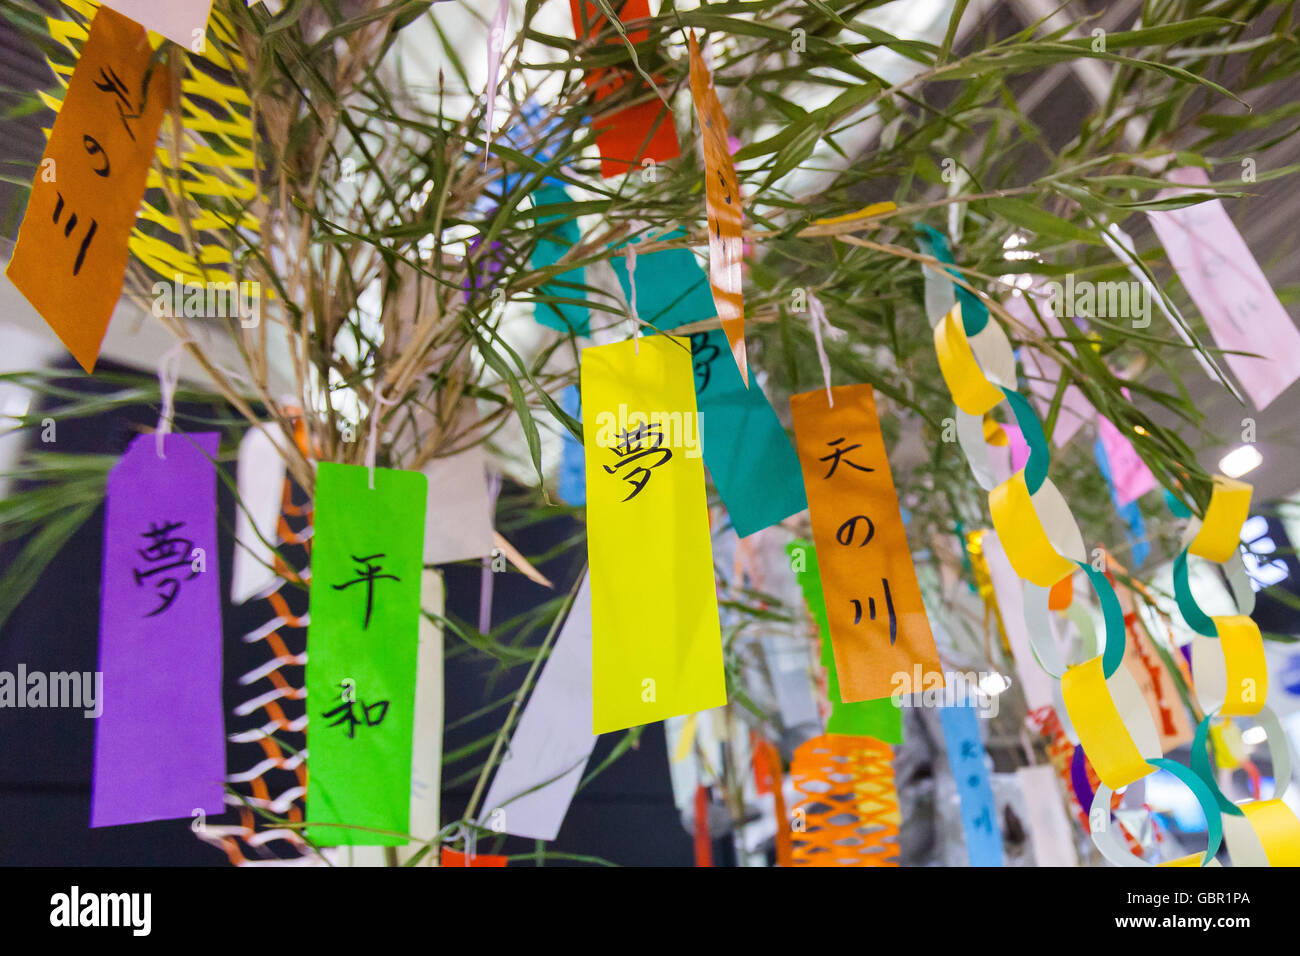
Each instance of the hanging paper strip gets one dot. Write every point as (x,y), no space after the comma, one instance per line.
(1129,474)
(878,625)
(769,779)
(1049,828)
(259,479)
(656,639)
(848,815)
(882,718)
(979,816)
(722,203)
(632,135)
(458,517)
(181,21)
(559,239)
(573,466)
(1130,514)
(670,287)
(362,647)
(539,775)
(71,253)
(450,857)
(746,449)
(160,746)
(1230,289)
(1042,372)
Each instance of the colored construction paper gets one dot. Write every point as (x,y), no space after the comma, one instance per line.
(536,781)
(628,137)
(1228,286)
(181,21)
(1172,722)
(1130,513)
(746,449)
(1008,589)
(1050,833)
(71,254)
(259,482)
(974,314)
(450,857)
(979,817)
(564,316)
(573,464)
(1043,372)
(878,624)
(670,287)
(362,652)
(1129,475)
(458,521)
(722,203)
(656,644)
(880,718)
(160,743)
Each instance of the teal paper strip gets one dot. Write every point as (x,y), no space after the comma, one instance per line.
(563,316)
(671,288)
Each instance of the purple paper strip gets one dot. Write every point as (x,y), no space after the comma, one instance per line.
(1079,779)
(160,748)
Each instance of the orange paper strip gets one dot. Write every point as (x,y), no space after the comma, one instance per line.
(879,630)
(450,857)
(722,205)
(849,812)
(71,254)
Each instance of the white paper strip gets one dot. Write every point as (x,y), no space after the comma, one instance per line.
(183,21)
(536,781)
(1049,827)
(1009,591)
(259,478)
(458,523)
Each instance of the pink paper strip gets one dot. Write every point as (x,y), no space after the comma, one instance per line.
(160,744)
(1043,373)
(1232,292)
(1128,472)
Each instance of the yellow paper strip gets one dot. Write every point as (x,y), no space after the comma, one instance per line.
(972,392)
(656,641)
(1245,668)
(1220,530)
(1102,732)
(1022,534)
(1278,830)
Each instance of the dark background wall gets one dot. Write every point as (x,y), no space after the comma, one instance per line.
(626,815)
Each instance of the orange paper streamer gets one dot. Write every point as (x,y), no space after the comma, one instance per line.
(849,812)
(703,841)
(878,626)
(635,134)
(722,205)
(71,254)
(768,779)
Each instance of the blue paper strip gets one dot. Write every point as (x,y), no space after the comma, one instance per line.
(573,463)
(979,817)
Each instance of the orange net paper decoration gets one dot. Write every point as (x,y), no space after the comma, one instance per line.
(849,812)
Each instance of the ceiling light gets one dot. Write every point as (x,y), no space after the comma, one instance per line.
(1241,460)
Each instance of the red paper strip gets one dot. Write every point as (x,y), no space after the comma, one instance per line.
(627,137)
(452,857)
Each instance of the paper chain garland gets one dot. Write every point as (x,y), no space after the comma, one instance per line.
(1044,545)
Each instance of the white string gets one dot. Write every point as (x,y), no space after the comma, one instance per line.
(373,443)
(496,44)
(818,318)
(169,372)
(629,251)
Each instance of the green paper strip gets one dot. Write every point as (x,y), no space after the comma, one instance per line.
(1113,615)
(1196,619)
(1031,429)
(974,314)
(1205,797)
(1201,767)
(671,288)
(563,316)
(361,652)
(866,718)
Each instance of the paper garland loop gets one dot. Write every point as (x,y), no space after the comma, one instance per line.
(1110,716)
(973,393)
(1037,605)
(1230,673)
(1266,834)
(1106,840)
(1278,750)
(1219,531)
(1037,530)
